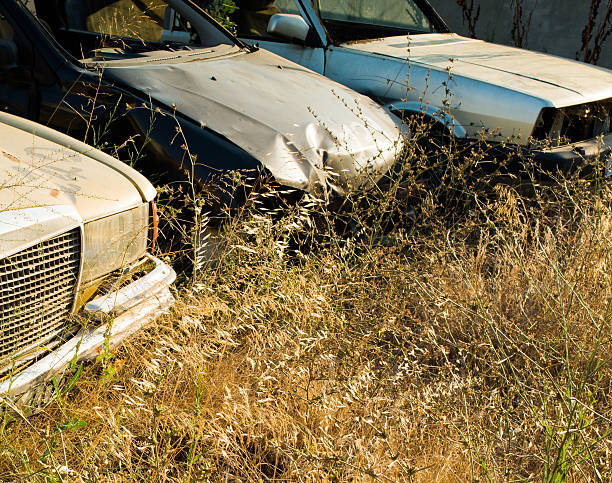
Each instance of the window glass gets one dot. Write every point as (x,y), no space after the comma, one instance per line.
(132,26)
(12,32)
(29,4)
(287,6)
(6,31)
(401,14)
(137,19)
(148,21)
(252,16)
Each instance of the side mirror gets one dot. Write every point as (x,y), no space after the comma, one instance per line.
(288,26)
(8,54)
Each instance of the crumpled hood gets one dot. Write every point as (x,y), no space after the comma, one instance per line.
(35,172)
(561,82)
(299,124)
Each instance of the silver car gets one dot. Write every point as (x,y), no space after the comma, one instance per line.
(402,54)
(75,275)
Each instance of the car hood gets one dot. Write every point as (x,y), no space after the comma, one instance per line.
(305,129)
(538,75)
(36,172)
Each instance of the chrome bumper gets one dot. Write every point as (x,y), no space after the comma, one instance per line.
(128,310)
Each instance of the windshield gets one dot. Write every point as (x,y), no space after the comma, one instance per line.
(361,19)
(86,27)
(132,19)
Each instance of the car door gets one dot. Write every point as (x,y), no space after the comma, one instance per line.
(252,19)
(17,86)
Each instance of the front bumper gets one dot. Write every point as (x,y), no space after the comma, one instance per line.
(127,310)
(570,158)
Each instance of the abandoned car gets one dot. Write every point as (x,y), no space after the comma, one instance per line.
(75,274)
(165,77)
(402,54)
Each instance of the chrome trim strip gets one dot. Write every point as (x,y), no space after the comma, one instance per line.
(127,297)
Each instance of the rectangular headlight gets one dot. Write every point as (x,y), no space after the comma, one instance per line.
(114,242)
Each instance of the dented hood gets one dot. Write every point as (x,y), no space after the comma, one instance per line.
(561,82)
(298,124)
(36,172)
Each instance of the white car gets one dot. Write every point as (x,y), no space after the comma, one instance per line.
(402,54)
(75,275)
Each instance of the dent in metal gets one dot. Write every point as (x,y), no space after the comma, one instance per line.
(308,133)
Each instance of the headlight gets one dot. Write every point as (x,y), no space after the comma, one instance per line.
(113,242)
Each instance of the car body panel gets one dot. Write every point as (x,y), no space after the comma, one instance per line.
(53,192)
(212,93)
(21,227)
(29,389)
(165,90)
(534,74)
(311,58)
(43,133)
(38,172)
(488,90)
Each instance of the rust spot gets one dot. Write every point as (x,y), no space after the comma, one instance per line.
(363,41)
(55,193)
(10,156)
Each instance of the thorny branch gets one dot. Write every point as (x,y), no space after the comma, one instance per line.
(594,35)
(469,15)
(521,23)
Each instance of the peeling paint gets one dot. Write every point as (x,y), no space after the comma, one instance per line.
(9,156)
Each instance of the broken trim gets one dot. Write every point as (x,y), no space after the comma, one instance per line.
(119,301)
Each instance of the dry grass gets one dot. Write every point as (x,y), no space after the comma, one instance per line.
(474,347)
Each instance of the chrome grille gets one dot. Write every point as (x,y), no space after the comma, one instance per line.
(37,290)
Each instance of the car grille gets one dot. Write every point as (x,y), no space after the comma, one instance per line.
(37,291)
(574,123)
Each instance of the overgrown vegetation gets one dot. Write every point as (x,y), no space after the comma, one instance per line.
(449,324)
(521,22)
(452,323)
(221,10)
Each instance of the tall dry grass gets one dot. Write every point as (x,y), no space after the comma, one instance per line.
(454,332)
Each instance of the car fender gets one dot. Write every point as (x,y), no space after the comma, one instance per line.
(442,118)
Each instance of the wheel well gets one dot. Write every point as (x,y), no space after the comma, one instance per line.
(438,127)
(446,123)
